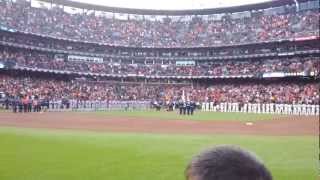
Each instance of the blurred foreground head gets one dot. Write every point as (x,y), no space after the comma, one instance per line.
(226,163)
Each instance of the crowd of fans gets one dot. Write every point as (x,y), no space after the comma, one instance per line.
(286,93)
(251,67)
(249,92)
(58,89)
(32,41)
(198,32)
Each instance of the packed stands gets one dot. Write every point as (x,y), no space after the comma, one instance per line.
(249,92)
(199,31)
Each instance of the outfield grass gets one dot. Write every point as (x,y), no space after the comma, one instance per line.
(199,115)
(33,154)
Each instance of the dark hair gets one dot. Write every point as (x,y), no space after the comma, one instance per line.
(226,163)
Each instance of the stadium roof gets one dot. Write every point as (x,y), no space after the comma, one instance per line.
(207,10)
(171,4)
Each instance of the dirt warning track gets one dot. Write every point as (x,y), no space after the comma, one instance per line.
(291,126)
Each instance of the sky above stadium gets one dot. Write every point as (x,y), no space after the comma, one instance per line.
(171,4)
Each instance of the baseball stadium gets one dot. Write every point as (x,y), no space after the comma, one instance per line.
(95,90)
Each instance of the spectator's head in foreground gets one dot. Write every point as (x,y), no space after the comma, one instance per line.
(226,163)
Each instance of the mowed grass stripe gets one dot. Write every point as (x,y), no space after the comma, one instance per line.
(32,154)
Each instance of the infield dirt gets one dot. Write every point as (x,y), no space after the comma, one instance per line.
(287,126)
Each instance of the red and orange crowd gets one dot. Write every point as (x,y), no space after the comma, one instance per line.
(249,92)
(198,32)
(253,67)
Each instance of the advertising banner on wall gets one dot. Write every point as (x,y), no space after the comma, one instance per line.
(185,63)
(85,59)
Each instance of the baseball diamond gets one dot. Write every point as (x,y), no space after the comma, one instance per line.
(99,145)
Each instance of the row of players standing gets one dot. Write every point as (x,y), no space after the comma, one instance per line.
(25,104)
(186,107)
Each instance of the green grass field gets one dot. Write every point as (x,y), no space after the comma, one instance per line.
(199,115)
(40,154)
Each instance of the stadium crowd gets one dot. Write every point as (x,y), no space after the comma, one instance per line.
(249,92)
(197,32)
(34,59)
(32,41)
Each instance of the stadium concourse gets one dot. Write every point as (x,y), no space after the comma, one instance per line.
(263,54)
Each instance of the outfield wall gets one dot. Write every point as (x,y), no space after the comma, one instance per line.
(287,109)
